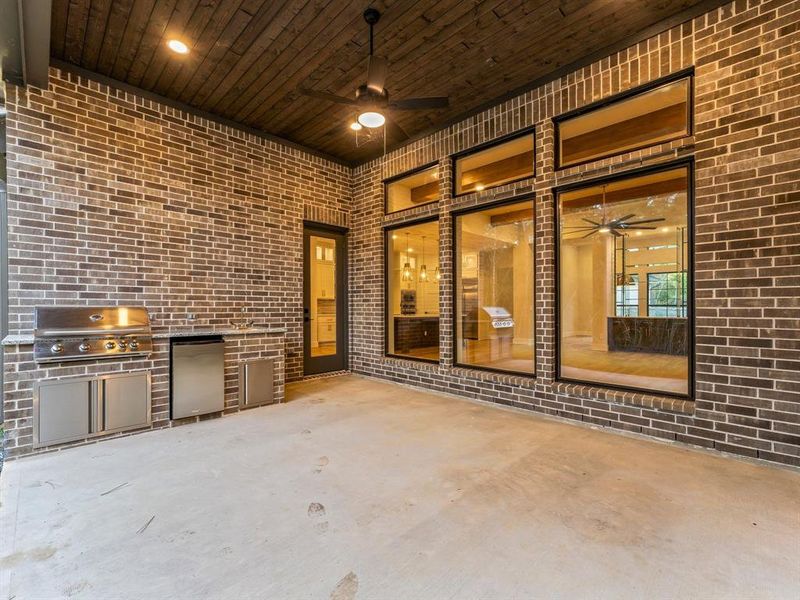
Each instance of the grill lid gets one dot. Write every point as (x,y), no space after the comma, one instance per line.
(64,321)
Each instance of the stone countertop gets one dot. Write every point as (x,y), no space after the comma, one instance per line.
(187,332)
(27,338)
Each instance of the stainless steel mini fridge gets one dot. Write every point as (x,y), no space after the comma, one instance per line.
(198,376)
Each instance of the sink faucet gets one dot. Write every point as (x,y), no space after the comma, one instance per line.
(243,322)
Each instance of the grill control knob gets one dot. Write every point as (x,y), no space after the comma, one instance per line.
(85,347)
(57,348)
(133,344)
(122,344)
(110,345)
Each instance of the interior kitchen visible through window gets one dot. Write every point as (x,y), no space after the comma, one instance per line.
(624,282)
(412,291)
(494,287)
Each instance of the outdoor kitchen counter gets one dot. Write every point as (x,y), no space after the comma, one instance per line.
(26,339)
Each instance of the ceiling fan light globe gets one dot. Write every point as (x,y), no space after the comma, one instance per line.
(371,119)
(604,230)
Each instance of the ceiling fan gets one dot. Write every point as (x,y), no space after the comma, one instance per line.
(372,99)
(612,226)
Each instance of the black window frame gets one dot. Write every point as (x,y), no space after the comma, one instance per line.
(626,95)
(531,196)
(387,229)
(486,146)
(689,164)
(395,178)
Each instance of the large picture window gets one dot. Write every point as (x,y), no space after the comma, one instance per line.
(624,281)
(494,287)
(412,291)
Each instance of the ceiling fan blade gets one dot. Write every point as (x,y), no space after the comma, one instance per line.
(640,222)
(596,224)
(590,233)
(376,74)
(394,131)
(421,103)
(622,219)
(326,96)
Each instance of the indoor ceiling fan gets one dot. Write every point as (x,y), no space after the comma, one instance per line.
(612,226)
(371,99)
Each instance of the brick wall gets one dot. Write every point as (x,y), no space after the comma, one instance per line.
(114,197)
(747,135)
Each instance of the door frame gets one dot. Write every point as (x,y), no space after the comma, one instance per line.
(340,360)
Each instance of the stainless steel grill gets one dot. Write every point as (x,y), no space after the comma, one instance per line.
(68,333)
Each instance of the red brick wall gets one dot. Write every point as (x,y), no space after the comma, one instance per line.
(747,216)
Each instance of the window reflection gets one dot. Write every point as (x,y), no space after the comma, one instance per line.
(624,282)
(494,288)
(413,290)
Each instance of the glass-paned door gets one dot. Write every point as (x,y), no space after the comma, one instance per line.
(325,305)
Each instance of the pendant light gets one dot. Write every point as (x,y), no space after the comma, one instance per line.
(423,270)
(407,266)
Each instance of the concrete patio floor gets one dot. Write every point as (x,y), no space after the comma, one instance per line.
(363,489)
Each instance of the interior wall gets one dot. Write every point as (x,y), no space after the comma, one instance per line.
(744,144)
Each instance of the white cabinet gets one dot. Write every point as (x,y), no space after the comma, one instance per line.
(327,330)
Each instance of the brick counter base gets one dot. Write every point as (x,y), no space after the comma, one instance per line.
(21,373)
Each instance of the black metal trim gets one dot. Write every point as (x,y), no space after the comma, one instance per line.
(687,73)
(688,163)
(530,196)
(499,141)
(394,178)
(386,230)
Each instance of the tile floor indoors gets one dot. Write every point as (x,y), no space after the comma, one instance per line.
(363,489)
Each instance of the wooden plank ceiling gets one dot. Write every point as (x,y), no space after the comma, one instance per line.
(249,57)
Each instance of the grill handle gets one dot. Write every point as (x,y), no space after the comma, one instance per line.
(90,331)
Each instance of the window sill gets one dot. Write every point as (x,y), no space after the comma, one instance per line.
(629,398)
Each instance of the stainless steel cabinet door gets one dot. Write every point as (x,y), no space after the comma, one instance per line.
(61,412)
(255,382)
(126,401)
(198,379)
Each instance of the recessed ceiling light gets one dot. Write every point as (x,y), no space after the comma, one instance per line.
(638,233)
(178,47)
(356,126)
(665,229)
(480,187)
